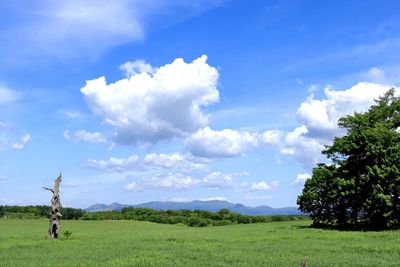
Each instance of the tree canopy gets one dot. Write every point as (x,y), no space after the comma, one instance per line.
(362,185)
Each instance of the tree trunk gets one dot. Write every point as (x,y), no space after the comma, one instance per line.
(55,215)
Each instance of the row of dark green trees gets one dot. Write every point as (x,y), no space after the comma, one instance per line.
(33,212)
(195,218)
(361,188)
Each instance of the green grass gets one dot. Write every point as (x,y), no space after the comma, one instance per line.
(131,243)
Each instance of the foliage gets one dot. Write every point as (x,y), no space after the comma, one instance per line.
(362,186)
(195,218)
(31,212)
(133,243)
(1,211)
(192,218)
(67,234)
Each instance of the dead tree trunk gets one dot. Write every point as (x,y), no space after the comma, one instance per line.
(55,215)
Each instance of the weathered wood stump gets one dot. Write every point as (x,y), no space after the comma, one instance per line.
(55,215)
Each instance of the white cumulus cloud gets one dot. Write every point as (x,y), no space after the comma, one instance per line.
(218,144)
(132,68)
(272,137)
(163,181)
(321,116)
(262,185)
(164,160)
(318,120)
(184,163)
(177,180)
(116,164)
(148,107)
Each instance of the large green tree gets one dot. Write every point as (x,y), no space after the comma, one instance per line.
(362,185)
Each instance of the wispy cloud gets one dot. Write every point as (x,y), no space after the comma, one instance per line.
(387,48)
(23,141)
(7,95)
(71,114)
(73,28)
(82,135)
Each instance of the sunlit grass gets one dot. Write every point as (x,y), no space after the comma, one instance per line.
(131,243)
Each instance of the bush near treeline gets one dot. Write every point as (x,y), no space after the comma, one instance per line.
(195,218)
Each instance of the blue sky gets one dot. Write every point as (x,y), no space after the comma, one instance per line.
(135,101)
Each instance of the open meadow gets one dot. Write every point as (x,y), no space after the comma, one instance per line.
(132,243)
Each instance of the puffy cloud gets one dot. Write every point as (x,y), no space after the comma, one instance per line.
(171,180)
(163,160)
(321,116)
(163,181)
(263,186)
(23,141)
(272,137)
(7,95)
(115,164)
(82,135)
(150,161)
(148,107)
(305,149)
(318,121)
(132,68)
(218,144)
(301,178)
(260,186)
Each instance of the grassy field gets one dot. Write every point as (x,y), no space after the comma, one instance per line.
(131,243)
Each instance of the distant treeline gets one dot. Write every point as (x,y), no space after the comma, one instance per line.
(195,218)
(33,212)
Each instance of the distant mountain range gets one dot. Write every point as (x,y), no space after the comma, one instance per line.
(212,205)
